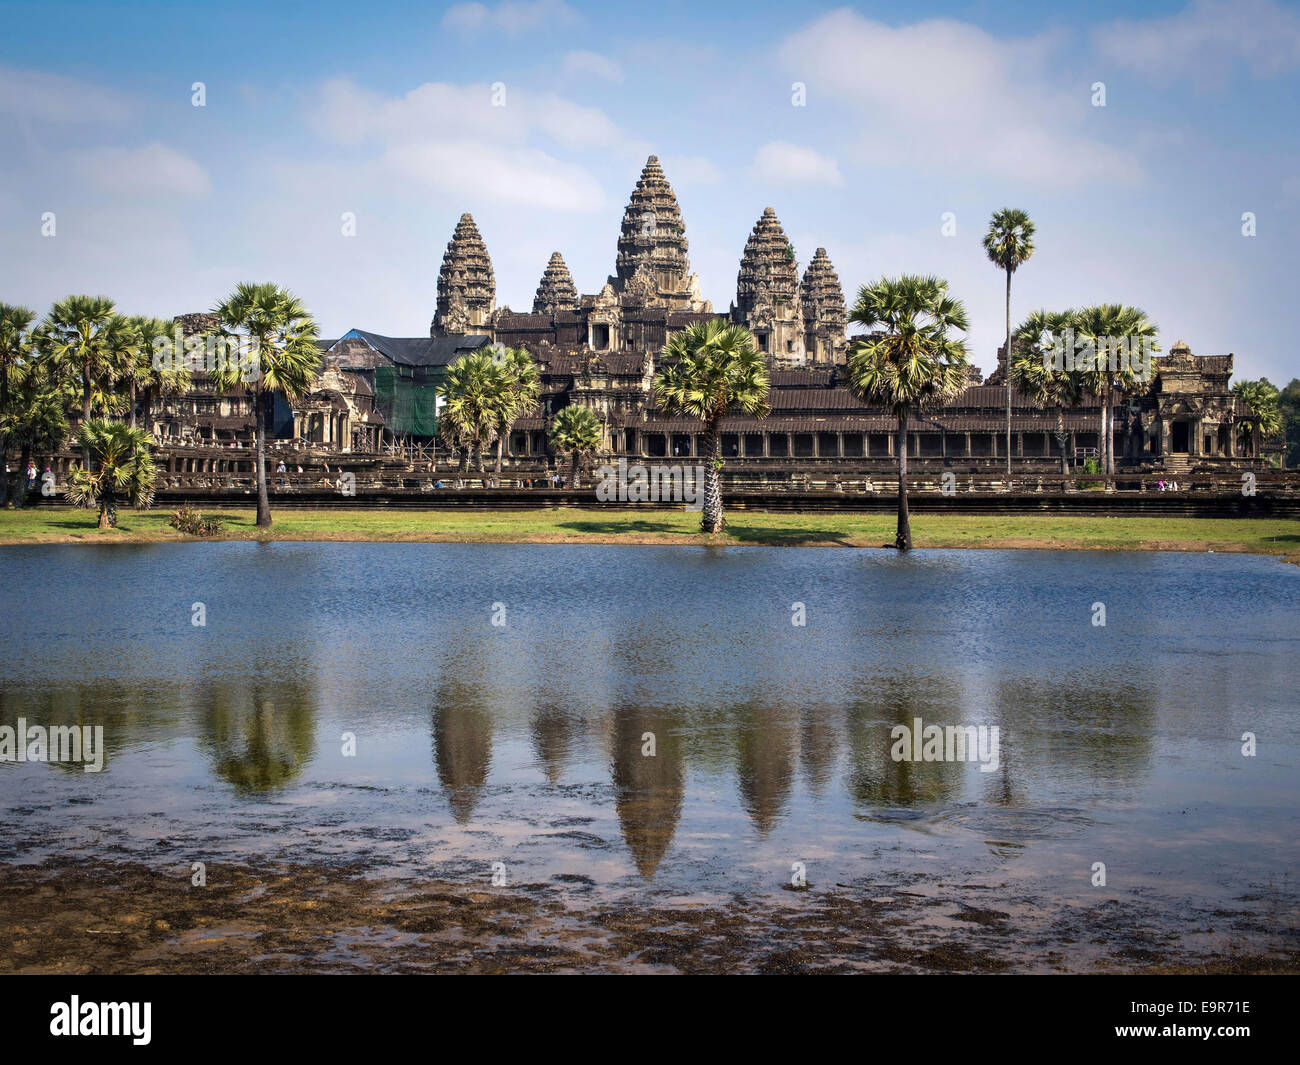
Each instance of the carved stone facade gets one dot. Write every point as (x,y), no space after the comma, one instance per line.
(652,257)
(467,289)
(556,291)
(767,291)
(824,315)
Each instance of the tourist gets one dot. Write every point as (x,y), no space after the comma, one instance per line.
(31,476)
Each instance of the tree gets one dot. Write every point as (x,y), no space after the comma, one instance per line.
(469,416)
(35,420)
(1009,243)
(909,362)
(15,357)
(711,369)
(1262,418)
(1288,405)
(121,468)
(515,389)
(1115,334)
(1031,375)
(147,381)
(270,346)
(575,430)
(75,338)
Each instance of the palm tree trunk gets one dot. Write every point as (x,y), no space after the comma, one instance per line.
(712,520)
(1060,437)
(573,475)
(85,413)
(903,538)
(1108,467)
(132,420)
(107,511)
(4,473)
(259,441)
(501,448)
(1007,366)
(25,458)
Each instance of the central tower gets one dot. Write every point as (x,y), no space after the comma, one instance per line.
(652,248)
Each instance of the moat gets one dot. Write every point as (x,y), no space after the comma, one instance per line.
(500,699)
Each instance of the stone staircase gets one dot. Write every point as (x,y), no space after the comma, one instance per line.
(1177,463)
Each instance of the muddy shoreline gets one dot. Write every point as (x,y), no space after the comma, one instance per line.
(128,917)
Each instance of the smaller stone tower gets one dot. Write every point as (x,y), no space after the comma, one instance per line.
(556,291)
(823,311)
(767,291)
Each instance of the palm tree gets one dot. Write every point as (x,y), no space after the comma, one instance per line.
(1102,327)
(276,335)
(577,431)
(470,414)
(1032,377)
(711,369)
(516,386)
(909,362)
(121,468)
(146,381)
(74,337)
(1262,418)
(15,355)
(1009,243)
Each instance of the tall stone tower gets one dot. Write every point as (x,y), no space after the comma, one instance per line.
(556,291)
(652,259)
(467,290)
(767,291)
(824,316)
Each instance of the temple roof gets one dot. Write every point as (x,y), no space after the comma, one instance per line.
(418,351)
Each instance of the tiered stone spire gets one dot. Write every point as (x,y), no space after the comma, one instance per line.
(767,289)
(556,291)
(466,285)
(823,310)
(653,237)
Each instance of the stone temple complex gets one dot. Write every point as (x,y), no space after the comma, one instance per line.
(600,350)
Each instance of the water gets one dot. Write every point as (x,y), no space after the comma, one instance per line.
(523,743)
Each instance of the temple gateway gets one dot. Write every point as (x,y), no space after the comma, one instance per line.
(377,394)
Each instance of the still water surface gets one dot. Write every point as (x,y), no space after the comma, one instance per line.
(522,743)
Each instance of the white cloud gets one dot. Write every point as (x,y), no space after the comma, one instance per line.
(512,16)
(596,65)
(780,163)
(476,171)
(1205,38)
(39,97)
(452,138)
(152,171)
(946,97)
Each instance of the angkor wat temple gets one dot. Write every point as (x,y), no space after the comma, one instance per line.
(377,393)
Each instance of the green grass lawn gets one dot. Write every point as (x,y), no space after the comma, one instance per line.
(569,525)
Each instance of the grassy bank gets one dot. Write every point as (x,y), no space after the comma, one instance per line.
(1262,536)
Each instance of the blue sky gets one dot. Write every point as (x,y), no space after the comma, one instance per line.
(385,111)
